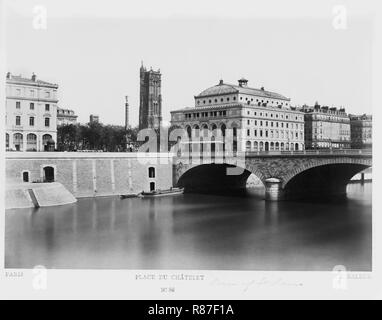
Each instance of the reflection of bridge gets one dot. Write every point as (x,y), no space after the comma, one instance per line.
(285,174)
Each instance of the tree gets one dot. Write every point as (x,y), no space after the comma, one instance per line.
(66,137)
(96,136)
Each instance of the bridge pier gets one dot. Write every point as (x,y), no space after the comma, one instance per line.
(273,190)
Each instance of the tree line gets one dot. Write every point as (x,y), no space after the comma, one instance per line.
(96,136)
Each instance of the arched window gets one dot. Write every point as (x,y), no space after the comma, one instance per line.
(223,129)
(234,142)
(296,147)
(248,145)
(48,142)
(282,146)
(18,141)
(188,129)
(276,146)
(31,142)
(261,145)
(272,146)
(152,186)
(213,129)
(266,146)
(196,131)
(205,131)
(151,172)
(255,146)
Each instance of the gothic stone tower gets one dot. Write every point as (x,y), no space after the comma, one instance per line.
(150,107)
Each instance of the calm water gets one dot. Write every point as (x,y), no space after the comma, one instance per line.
(195,232)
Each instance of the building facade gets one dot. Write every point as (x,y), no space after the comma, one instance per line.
(260,120)
(31,114)
(326,128)
(65,117)
(150,105)
(94,118)
(361,131)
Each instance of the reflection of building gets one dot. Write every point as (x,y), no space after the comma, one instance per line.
(94,118)
(150,106)
(65,116)
(326,128)
(31,114)
(265,119)
(361,131)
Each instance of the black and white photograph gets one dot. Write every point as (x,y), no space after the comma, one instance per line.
(189,149)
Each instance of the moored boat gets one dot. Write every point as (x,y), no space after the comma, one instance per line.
(129,195)
(159,193)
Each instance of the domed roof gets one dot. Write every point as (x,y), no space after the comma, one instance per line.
(221,88)
(225,88)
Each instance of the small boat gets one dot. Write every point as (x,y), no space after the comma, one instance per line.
(129,195)
(159,193)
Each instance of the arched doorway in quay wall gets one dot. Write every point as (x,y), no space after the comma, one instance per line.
(48,174)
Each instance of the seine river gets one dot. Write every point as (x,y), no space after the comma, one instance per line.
(195,231)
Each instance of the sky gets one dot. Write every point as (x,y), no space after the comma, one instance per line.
(93,50)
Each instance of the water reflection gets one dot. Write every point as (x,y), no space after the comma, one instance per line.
(195,231)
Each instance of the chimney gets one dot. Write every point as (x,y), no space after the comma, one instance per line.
(8,75)
(262,88)
(220,81)
(243,82)
(33,77)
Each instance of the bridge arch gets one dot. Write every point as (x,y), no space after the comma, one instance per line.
(330,178)
(304,166)
(208,177)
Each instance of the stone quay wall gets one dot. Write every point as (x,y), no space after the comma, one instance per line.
(93,174)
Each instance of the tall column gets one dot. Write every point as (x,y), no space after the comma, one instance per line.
(273,189)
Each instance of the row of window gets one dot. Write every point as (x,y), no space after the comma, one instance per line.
(328,132)
(272,146)
(31,106)
(276,134)
(326,137)
(272,115)
(32,93)
(275,124)
(32,121)
(330,118)
(216,100)
(31,141)
(263,101)
(221,113)
(195,115)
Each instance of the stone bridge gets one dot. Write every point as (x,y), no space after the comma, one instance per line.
(285,174)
